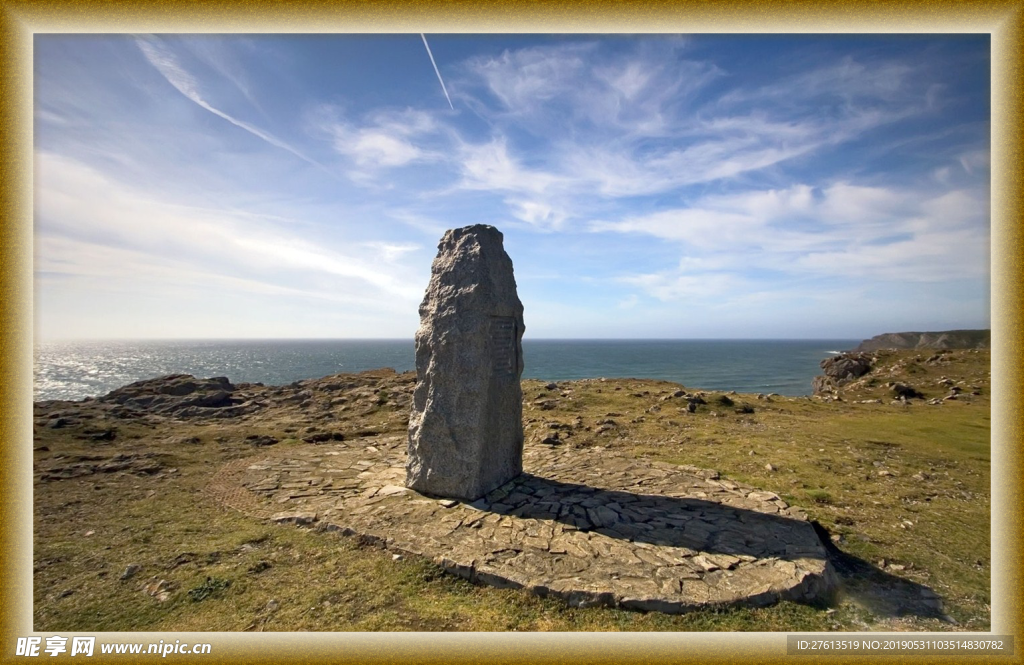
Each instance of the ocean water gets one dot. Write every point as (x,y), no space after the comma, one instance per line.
(74,370)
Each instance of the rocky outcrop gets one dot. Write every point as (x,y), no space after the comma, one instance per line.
(950,339)
(314,405)
(840,370)
(181,396)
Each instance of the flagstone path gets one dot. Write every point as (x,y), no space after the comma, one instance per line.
(586,525)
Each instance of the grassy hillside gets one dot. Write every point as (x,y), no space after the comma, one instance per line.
(126,537)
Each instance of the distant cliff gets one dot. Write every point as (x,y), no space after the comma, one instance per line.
(950,339)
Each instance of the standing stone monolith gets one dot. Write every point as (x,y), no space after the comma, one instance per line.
(466,427)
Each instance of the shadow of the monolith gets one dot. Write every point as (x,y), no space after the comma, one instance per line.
(881,593)
(709,527)
(667,521)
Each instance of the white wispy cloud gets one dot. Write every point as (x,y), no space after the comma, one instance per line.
(79,202)
(846,84)
(490,166)
(379,148)
(382,140)
(707,228)
(642,124)
(674,286)
(169,67)
(841,230)
(95,266)
(542,199)
(525,80)
(390,252)
(975,160)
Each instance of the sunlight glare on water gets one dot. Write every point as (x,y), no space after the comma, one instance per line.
(74,370)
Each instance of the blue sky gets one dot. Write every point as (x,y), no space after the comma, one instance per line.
(746,186)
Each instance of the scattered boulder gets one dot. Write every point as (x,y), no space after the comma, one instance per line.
(840,370)
(552,439)
(259,440)
(259,567)
(99,434)
(323,437)
(821,385)
(295,517)
(159,589)
(130,571)
(904,391)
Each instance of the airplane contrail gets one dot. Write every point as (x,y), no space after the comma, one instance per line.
(165,63)
(437,71)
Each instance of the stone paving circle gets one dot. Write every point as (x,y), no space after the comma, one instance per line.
(585,525)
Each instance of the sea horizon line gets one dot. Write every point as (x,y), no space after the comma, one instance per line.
(411,339)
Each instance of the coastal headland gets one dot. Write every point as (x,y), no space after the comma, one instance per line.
(183,503)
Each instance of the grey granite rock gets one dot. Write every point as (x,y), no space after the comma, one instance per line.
(465,430)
